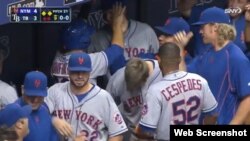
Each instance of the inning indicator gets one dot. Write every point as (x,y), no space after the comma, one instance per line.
(40,15)
(55,15)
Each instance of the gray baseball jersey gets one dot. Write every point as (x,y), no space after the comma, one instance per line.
(179,98)
(7,94)
(139,38)
(97,114)
(99,66)
(131,102)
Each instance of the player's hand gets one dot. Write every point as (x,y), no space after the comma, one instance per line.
(80,137)
(118,24)
(62,126)
(118,17)
(182,39)
(247,13)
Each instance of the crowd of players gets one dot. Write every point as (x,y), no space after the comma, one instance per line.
(195,72)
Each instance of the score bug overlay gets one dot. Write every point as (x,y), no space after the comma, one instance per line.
(40,15)
(25,15)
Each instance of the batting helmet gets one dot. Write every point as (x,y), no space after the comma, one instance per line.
(77,35)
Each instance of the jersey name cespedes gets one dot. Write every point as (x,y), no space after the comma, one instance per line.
(180,87)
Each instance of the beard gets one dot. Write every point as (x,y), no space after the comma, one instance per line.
(79,83)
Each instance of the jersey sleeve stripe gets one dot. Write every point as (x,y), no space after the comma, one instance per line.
(148,125)
(210,109)
(118,133)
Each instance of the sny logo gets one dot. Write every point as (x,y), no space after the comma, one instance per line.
(232,10)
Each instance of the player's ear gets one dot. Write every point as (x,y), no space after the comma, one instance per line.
(215,27)
(19,124)
(158,58)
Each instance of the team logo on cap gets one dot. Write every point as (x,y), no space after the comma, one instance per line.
(80,60)
(37,83)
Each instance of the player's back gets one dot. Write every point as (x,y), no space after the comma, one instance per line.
(182,92)
(182,96)
(130,103)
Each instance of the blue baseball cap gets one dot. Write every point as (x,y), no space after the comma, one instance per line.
(35,84)
(174,25)
(107,4)
(213,15)
(80,62)
(12,113)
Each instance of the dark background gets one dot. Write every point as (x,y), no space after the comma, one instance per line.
(33,46)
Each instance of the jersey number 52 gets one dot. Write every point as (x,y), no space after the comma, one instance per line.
(185,112)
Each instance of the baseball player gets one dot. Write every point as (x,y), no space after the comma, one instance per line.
(247,40)
(230,84)
(166,34)
(128,86)
(77,39)
(138,37)
(190,11)
(238,21)
(14,117)
(247,29)
(179,98)
(40,123)
(85,106)
(7,93)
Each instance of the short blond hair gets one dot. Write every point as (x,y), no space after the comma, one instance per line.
(225,32)
(136,73)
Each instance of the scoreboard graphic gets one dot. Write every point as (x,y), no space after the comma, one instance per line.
(40,15)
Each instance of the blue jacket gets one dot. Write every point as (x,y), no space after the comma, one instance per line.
(40,125)
(230,83)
